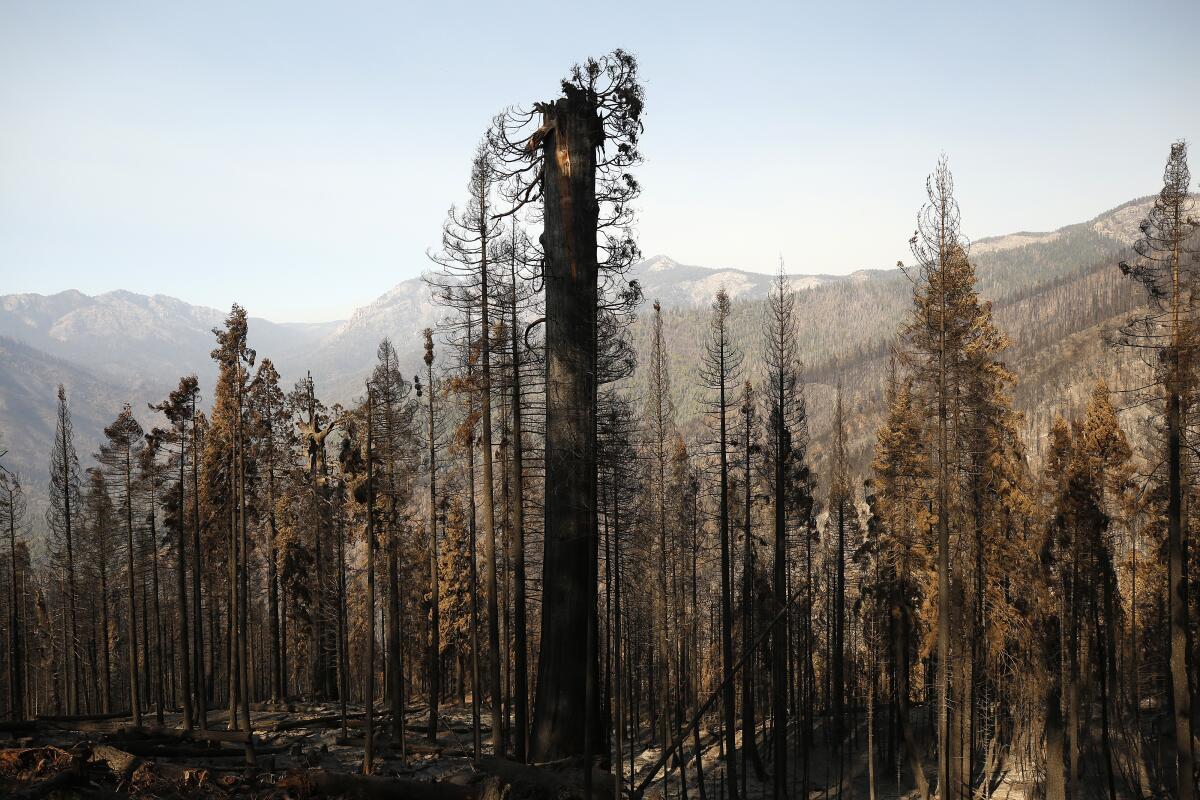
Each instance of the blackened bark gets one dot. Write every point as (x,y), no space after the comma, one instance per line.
(189,720)
(1177,588)
(572,133)
(200,682)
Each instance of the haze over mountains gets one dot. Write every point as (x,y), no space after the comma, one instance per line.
(1053,293)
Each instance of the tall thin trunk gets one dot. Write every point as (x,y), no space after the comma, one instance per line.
(104,634)
(1053,725)
(369,693)
(395,654)
(900,626)
(473,578)
(200,681)
(943,518)
(135,698)
(489,504)
(16,688)
(521,645)
(343,658)
(159,647)
(749,725)
(779,636)
(619,727)
(727,693)
(278,692)
(838,644)
(434,632)
(185,671)
(72,592)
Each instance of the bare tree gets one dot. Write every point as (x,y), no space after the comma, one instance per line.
(61,518)
(12,515)
(722,361)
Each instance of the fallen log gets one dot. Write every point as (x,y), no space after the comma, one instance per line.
(158,732)
(319,783)
(413,748)
(119,762)
(150,749)
(288,707)
(82,726)
(63,718)
(129,769)
(326,721)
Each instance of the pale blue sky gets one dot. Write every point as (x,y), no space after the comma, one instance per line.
(299,158)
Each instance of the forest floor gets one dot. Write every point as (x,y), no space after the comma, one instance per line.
(303,751)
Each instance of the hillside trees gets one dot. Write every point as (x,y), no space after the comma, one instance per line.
(102,522)
(435,648)
(469,241)
(660,418)
(393,440)
(722,361)
(899,535)
(61,519)
(949,338)
(273,443)
(227,503)
(1167,269)
(150,480)
(841,505)
(117,456)
(178,408)
(789,480)
(12,517)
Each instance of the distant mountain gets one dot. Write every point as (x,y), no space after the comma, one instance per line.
(124,347)
(678,285)
(136,337)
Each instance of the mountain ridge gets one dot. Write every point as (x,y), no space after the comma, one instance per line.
(120,346)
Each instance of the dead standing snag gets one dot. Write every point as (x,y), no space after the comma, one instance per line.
(575,162)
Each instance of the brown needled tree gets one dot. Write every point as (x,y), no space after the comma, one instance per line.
(118,455)
(177,408)
(1168,270)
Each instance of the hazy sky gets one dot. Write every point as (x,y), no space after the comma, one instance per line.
(299,157)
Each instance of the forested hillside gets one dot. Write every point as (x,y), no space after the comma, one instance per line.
(126,347)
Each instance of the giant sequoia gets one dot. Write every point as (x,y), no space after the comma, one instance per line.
(576,162)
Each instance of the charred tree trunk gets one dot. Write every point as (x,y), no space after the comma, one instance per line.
(135,699)
(185,667)
(1177,587)
(899,624)
(727,692)
(434,632)
(369,692)
(573,130)
(16,686)
(521,667)
(200,682)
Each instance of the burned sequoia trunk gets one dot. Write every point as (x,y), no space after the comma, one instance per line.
(570,133)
